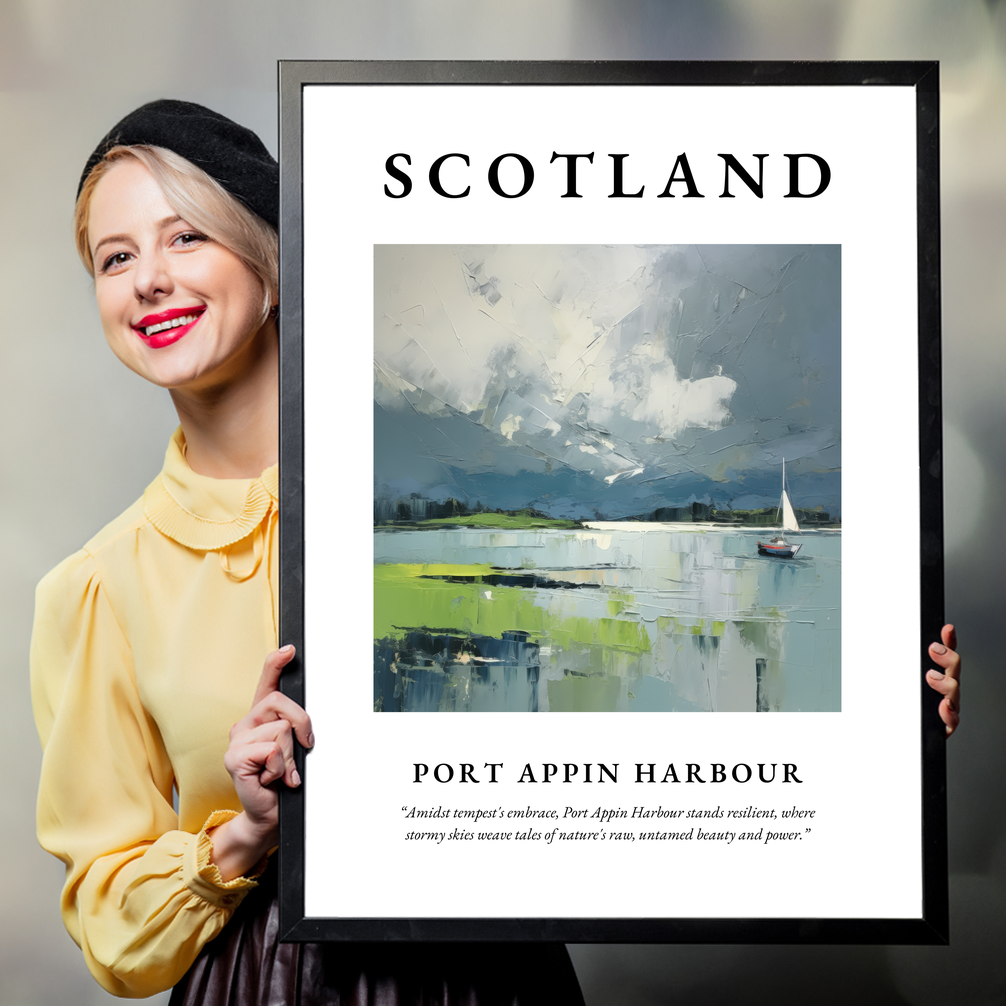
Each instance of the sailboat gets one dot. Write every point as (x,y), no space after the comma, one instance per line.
(778,547)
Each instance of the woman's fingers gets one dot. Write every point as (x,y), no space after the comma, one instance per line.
(949,688)
(950,716)
(944,684)
(949,636)
(277,735)
(277,706)
(271,671)
(945,655)
(274,766)
(261,749)
(949,710)
(259,761)
(270,703)
(947,681)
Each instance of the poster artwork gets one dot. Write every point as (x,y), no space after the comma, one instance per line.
(566,436)
(607,478)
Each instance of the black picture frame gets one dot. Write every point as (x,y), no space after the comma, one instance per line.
(931,926)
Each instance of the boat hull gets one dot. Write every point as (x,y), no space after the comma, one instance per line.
(786,551)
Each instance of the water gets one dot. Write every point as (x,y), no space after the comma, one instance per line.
(639,617)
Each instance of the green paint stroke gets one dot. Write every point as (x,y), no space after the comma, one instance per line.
(575,694)
(403,601)
(761,633)
(499,520)
(669,625)
(619,600)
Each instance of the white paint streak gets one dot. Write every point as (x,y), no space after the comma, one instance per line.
(611,479)
(510,425)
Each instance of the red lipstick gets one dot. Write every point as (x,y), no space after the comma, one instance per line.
(166,325)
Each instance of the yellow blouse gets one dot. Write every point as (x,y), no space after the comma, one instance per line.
(147,647)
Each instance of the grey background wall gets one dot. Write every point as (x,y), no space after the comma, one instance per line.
(82,436)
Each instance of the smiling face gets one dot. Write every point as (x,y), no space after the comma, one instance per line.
(177,307)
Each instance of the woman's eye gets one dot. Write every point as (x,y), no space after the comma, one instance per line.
(190,238)
(114,261)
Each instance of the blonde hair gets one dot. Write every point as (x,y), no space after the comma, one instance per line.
(199,200)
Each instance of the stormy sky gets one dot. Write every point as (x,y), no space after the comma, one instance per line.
(608,380)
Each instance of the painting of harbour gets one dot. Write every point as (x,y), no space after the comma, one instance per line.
(607,478)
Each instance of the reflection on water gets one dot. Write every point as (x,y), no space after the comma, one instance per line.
(659,617)
(423,671)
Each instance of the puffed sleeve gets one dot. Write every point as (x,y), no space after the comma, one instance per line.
(141,897)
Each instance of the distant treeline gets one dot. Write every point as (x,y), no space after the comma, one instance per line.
(707,512)
(415,509)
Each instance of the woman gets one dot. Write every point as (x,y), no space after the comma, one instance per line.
(149,642)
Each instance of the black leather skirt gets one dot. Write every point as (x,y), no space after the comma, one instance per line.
(246,965)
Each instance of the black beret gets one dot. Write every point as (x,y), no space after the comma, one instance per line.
(230,154)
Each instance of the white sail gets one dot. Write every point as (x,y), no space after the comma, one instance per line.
(788,516)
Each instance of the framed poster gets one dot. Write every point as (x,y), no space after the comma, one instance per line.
(610,424)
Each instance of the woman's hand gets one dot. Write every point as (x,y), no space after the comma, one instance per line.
(947,682)
(260,753)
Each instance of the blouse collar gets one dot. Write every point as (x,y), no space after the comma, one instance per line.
(204,513)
